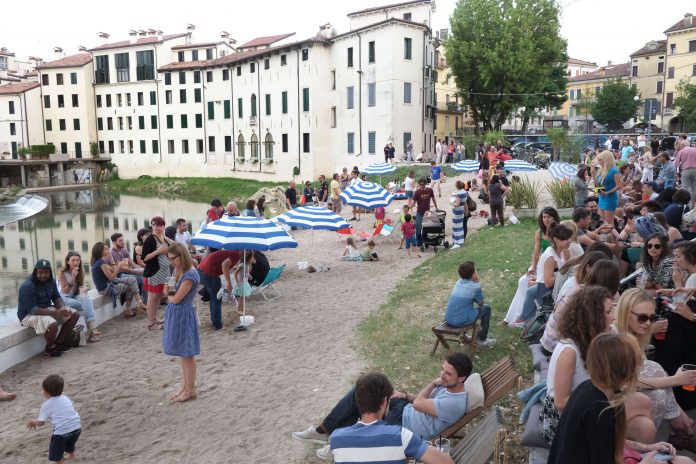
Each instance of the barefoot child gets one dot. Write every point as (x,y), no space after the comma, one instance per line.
(242,273)
(406,210)
(369,253)
(409,231)
(351,253)
(59,411)
(380,215)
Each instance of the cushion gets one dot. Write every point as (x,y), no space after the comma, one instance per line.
(474,392)
(531,436)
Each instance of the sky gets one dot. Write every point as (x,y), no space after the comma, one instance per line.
(596,30)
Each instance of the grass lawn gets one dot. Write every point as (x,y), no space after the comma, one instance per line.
(192,188)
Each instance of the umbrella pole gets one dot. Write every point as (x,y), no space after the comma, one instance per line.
(311,248)
(244,286)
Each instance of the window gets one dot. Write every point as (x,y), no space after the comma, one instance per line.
(120,99)
(208,53)
(13,129)
(168,97)
(78,150)
(266,63)
(101,147)
(141,122)
(407,16)
(170,146)
(49,124)
(168,78)
(659,87)
(254,144)
(47,101)
(407,48)
(180,57)
(170,121)
(199,120)
(572,94)
(267,104)
(153,122)
(99,101)
(305,142)
(182,77)
(351,143)
(197,95)
(194,55)
(407,137)
(672,49)
(349,97)
(108,101)
(669,100)
(693,70)
(59,79)
(253,104)
(283,60)
(305,99)
(111,147)
(371,52)
(61,124)
(209,76)
(305,56)
(240,146)
(333,79)
(11,107)
(372,143)
(333,116)
(634,71)
(44,79)
(109,123)
(225,74)
(130,147)
(64,148)
(211,110)
(155,146)
(579,94)
(284,143)
(75,100)
(570,111)
(284,102)
(182,95)
(660,67)
(199,145)
(153,97)
(227,109)
(146,65)
(61,101)
(407,92)
(211,144)
(350,57)
(76,124)
(143,146)
(670,73)
(184,121)
(120,123)
(239,70)
(371,94)
(73,78)
(252,67)
(240,108)
(228,143)
(184,146)
(196,77)
(122,67)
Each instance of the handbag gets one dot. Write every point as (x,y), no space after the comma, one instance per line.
(162,273)
(470,203)
(534,327)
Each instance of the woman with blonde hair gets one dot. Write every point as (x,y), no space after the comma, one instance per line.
(575,248)
(609,182)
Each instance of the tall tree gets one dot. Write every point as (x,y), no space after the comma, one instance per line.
(500,51)
(685,102)
(615,104)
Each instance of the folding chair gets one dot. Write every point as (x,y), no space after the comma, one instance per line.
(387,233)
(368,237)
(272,276)
(486,438)
(343,234)
(445,332)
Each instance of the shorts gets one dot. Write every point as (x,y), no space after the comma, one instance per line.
(152,288)
(409,194)
(411,241)
(61,444)
(40,324)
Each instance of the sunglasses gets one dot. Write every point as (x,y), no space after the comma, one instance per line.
(643,318)
(656,246)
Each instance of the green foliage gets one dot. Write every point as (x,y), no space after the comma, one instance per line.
(94,149)
(562,193)
(470,143)
(492,137)
(558,138)
(500,49)
(525,193)
(515,196)
(685,102)
(296,171)
(23,151)
(614,105)
(42,150)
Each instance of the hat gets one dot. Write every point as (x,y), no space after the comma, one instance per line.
(42,264)
(652,184)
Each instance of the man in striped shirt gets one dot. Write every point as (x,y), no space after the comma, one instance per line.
(374,441)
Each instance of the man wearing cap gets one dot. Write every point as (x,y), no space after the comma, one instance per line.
(41,308)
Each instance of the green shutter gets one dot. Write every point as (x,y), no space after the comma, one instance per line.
(305,99)
(184,121)
(141,123)
(170,121)
(268,104)
(227,109)
(240,108)
(142,146)
(284,102)
(211,110)
(199,120)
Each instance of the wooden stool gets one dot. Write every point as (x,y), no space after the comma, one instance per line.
(445,332)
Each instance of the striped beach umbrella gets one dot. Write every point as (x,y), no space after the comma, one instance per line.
(313,217)
(379,168)
(243,233)
(366,195)
(466,166)
(519,165)
(562,170)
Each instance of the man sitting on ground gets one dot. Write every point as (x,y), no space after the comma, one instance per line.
(41,308)
(438,405)
(371,439)
(460,310)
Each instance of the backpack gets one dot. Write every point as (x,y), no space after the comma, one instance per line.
(648,225)
(470,203)
(535,326)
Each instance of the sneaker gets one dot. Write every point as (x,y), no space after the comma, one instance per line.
(455,246)
(62,348)
(487,342)
(311,435)
(53,353)
(518,324)
(324,453)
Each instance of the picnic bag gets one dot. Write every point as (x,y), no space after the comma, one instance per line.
(534,327)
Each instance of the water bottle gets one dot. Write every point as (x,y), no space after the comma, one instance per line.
(222,294)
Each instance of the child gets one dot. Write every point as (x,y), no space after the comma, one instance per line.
(380,214)
(406,210)
(242,274)
(351,253)
(369,253)
(59,411)
(409,231)
(435,174)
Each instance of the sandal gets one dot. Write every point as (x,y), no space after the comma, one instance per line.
(185,396)
(92,338)
(128,313)
(95,332)
(155,326)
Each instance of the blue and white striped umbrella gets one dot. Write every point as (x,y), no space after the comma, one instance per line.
(561,170)
(379,168)
(519,165)
(313,217)
(243,233)
(466,166)
(366,195)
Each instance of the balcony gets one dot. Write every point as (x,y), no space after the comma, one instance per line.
(451,107)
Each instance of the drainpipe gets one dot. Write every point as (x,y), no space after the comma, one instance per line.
(43,120)
(299,133)
(234,145)
(25,116)
(157,95)
(423,92)
(205,124)
(258,111)
(360,128)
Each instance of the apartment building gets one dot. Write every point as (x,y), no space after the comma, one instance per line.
(450,112)
(648,77)
(680,64)
(20,117)
(14,70)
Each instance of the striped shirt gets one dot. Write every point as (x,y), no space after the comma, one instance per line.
(376,443)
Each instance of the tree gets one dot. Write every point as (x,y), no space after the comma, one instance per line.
(685,102)
(500,51)
(615,104)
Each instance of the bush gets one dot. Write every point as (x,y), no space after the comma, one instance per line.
(42,150)
(515,196)
(525,193)
(562,193)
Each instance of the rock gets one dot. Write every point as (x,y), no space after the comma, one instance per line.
(275,200)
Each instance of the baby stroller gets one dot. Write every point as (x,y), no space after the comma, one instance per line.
(433,230)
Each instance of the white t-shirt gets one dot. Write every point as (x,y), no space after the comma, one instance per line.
(567,287)
(184,238)
(352,251)
(548,253)
(608,144)
(409,184)
(690,282)
(580,374)
(575,250)
(59,411)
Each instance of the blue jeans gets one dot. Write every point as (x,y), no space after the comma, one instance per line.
(138,278)
(213,285)
(81,304)
(419,225)
(346,413)
(535,295)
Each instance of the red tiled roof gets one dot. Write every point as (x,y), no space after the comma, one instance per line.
(386,7)
(225,60)
(581,62)
(660,47)
(605,72)
(72,61)
(20,87)
(379,24)
(140,41)
(200,45)
(679,25)
(265,41)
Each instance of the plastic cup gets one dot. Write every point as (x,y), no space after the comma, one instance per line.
(660,335)
(83,290)
(442,444)
(689,367)
(171,283)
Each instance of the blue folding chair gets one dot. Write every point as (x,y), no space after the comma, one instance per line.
(273,275)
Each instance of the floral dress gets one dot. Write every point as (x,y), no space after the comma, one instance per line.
(661,274)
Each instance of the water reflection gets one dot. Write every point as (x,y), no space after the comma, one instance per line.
(76,221)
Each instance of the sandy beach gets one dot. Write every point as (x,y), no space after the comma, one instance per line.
(254,387)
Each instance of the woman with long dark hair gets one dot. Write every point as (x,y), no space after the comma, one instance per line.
(105,278)
(71,280)
(156,270)
(658,264)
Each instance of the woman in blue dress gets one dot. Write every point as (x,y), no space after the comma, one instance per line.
(180,322)
(610,182)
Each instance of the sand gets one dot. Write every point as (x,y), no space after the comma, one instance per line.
(254,387)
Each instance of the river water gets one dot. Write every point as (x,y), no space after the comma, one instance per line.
(75,221)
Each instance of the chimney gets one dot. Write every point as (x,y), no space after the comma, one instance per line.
(688,20)
(190,27)
(82,48)
(133,36)
(609,63)
(151,32)
(142,32)
(103,38)
(159,34)
(224,35)
(58,52)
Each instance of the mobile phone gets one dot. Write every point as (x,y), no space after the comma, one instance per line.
(663,456)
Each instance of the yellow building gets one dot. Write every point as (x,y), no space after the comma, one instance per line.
(450,113)
(648,75)
(680,64)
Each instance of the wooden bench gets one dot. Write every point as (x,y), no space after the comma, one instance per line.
(445,332)
(486,438)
